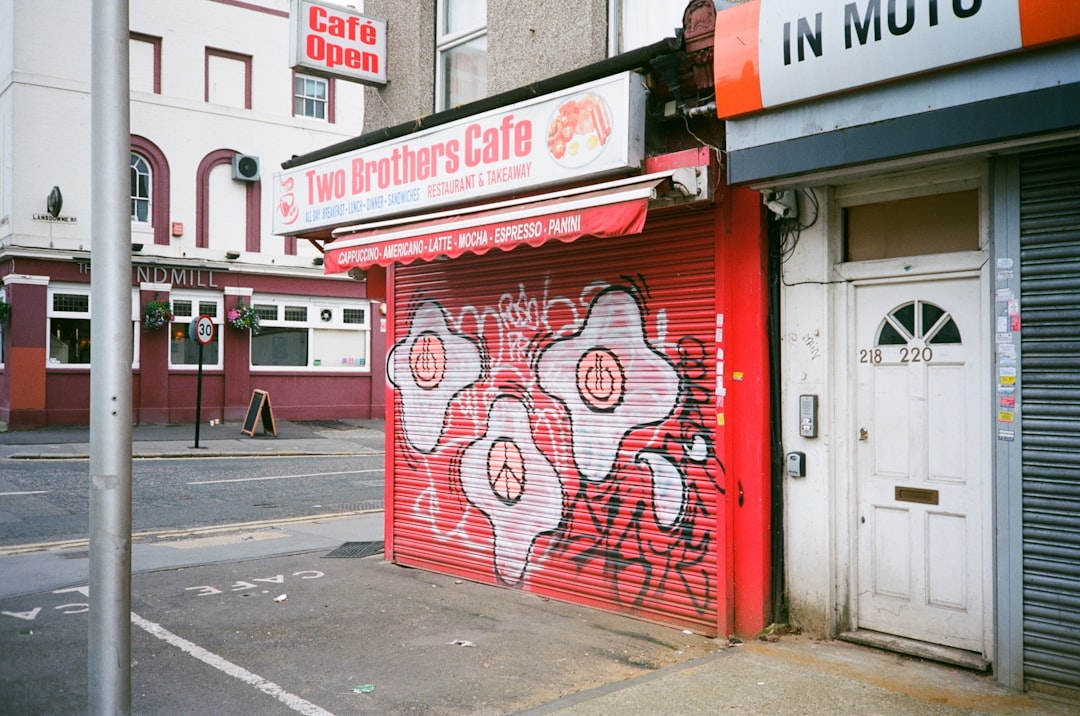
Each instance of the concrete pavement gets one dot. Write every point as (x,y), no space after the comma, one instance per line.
(240,613)
(324,437)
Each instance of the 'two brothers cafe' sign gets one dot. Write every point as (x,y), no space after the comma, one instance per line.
(588,130)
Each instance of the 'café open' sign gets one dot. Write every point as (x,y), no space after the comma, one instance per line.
(335,41)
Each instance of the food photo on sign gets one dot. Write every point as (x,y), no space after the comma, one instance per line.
(579,130)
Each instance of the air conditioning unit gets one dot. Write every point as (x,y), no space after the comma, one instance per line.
(245,167)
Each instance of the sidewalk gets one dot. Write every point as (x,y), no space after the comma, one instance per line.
(324,437)
(369,621)
(799,675)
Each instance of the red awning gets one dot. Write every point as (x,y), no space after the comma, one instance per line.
(616,210)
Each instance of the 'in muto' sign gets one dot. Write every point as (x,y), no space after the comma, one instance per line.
(816,48)
(775,52)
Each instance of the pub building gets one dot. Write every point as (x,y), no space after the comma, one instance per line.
(212,101)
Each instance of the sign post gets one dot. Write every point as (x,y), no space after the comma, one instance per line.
(200,329)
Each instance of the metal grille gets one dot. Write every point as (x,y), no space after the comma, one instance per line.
(181,308)
(354,315)
(356,550)
(266,312)
(295,313)
(1050,400)
(516,461)
(208,308)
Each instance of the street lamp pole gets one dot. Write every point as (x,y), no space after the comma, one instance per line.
(109,632)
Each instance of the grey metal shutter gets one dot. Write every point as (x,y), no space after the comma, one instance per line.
(1050,400)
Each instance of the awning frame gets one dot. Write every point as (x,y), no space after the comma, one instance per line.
(613,208)
(652,180)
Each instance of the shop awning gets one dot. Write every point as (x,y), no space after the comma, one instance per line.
(613,209)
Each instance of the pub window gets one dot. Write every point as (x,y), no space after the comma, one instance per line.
(311,97)
(314,334)
(184,352)
(228,78)
(70,330)
(140,189)
(144,63)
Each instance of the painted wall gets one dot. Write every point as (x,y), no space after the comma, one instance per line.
(821,519)
(528,42)
(410,64)
(813,503)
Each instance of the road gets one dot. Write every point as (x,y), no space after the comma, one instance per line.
(43,501)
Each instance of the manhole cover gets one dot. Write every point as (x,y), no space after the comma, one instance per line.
(355,550)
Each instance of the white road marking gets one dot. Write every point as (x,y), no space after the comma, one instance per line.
(237,672)
(27,492)
(284,477)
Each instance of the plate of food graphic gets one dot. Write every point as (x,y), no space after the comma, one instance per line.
(579,130)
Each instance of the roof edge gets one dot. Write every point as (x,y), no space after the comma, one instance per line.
(635,59)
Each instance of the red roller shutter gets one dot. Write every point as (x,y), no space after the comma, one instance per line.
(554,420)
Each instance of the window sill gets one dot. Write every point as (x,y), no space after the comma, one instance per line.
(310,370)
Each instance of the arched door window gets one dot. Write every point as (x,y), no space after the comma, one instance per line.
(918,321)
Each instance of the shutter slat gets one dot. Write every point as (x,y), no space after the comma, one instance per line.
(622,518)
(1050,399)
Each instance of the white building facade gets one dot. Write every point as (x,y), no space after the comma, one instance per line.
(214,106)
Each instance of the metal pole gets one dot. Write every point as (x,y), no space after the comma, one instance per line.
(109,634)
(198,397)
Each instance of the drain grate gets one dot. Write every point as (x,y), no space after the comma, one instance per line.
(355,550)
(361,506)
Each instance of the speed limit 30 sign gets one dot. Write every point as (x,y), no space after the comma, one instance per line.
(201,329)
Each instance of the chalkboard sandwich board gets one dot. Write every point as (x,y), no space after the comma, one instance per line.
(259,409)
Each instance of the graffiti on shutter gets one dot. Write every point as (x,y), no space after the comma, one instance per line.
(555,435)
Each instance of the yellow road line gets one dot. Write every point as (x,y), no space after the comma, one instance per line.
(177,534)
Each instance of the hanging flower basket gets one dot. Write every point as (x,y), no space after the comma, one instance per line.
(157,315)
(243,318)
(5,312)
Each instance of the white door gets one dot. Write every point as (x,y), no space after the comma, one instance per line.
(920,478)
